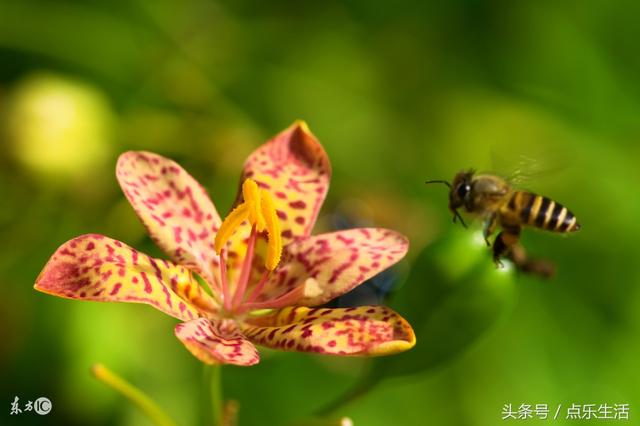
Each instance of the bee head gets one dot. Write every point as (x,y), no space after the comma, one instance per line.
(460,189)
(459,192)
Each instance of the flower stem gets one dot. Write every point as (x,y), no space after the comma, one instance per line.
(213,375)
(133,394)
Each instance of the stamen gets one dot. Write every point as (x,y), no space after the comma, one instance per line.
(251,194)
(274,243)
(225,284)
(279,302)
(246,268)
(229,225)
(258,288)
(259,210)
(310,288)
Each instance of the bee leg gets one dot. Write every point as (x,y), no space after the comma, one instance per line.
(539,267)
(519,256)
(457,216)
(504,241)
(489,228)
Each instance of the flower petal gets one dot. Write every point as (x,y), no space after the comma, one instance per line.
(176,210)
(95,267)
(294,168)
(219,342)
(366,330)
(334,263)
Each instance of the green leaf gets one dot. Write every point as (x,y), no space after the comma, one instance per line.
(453,296)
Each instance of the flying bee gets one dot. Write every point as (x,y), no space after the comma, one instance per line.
(494,200)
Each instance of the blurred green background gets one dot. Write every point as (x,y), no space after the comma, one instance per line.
(397,93)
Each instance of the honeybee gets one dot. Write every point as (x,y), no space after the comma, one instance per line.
(494,200)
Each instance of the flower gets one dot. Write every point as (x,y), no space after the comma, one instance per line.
(261,257)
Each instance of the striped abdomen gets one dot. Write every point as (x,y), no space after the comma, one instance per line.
(541,212)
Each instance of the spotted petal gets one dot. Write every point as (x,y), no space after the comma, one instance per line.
(295,169)
(176,210)
(219,342)
(95,267)
(366,330)
(335,263)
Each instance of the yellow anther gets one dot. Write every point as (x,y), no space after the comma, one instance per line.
(274,243)
(229,225)
(258,209)
(251,194)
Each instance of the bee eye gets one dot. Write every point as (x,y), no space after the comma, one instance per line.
(463,190)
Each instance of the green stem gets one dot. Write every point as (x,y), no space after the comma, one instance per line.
(213,376)
(133,394)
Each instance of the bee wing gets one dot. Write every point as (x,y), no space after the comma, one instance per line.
(522,169)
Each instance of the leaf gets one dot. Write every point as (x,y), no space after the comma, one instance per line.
(453,296)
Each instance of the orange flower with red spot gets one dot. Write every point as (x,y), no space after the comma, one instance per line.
(261,257)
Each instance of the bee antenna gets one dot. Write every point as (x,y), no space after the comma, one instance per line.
(439,181)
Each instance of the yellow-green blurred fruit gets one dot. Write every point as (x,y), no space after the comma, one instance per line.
(58,126)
